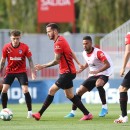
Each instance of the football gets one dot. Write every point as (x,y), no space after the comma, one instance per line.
(21,101)
(6,114)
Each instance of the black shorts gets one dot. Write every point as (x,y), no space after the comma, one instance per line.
(126,80)
(22,78)
(90,82)
(65,81)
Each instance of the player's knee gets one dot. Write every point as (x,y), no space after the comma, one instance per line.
(122,89)
(4,91)
(80,92)
(69,96)
(51,91)
(99,83)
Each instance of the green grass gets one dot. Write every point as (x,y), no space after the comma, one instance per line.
(53,119)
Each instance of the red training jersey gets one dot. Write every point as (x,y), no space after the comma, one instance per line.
(16,57)
(66,64)
(127,38)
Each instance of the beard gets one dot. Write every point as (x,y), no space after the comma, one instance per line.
(52,37)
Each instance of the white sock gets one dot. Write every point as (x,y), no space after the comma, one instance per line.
(30,112)
(73,111)
(104,106)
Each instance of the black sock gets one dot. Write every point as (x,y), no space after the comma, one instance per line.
(4,100)
(123,103)
(79,104)
(28,101)
(74,107)
(102,94)
(46,104)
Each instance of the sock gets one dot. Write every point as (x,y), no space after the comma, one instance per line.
(104,106)
(79,104)
(4,100)
(73,111)
(102,94)
(46,104)
(123,103)
(74,107)
(29,112)
(28,101)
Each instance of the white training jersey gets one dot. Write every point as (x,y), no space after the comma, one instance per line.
(95,61)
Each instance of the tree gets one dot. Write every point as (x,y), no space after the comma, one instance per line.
(102,15)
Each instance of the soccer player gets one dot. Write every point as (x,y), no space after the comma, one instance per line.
(64,57)
(16,53)
(100,68)
(125,85)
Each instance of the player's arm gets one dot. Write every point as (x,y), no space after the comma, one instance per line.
(106,66)
(52,63)
(32,67)
(101,56)
(2,64)
(125,59)
(76,60)
(83,68)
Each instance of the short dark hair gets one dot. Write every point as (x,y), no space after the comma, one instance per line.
(53,26)
(15,33)
(87,38)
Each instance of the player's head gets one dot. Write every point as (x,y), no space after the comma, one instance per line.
(87,43)
(15,36)
(52,30)
(87,38)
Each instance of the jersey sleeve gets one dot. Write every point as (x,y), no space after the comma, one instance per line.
(58,48)
(28,52)
(127,39)
(101,56)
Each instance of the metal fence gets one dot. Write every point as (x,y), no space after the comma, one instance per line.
(42,50)
(114,44)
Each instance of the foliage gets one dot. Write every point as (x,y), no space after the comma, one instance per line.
(20,15)
(92,16)
(102,15)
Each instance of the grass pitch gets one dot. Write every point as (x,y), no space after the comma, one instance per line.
(53,118)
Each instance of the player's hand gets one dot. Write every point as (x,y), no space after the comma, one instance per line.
(78,71)
(81,66)
(33,76)
(38,67)
(93,72)
(122,71)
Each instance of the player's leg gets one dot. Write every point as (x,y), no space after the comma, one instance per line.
(4,95)
(123,89)
(67,85)
(75,100)
(8,80)
(101,81)
(23,80)
(47,102)
(28,100)
(87,85)
(1,86)
(80,91)
(123,105)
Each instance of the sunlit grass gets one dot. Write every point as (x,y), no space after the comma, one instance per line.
(53,119)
